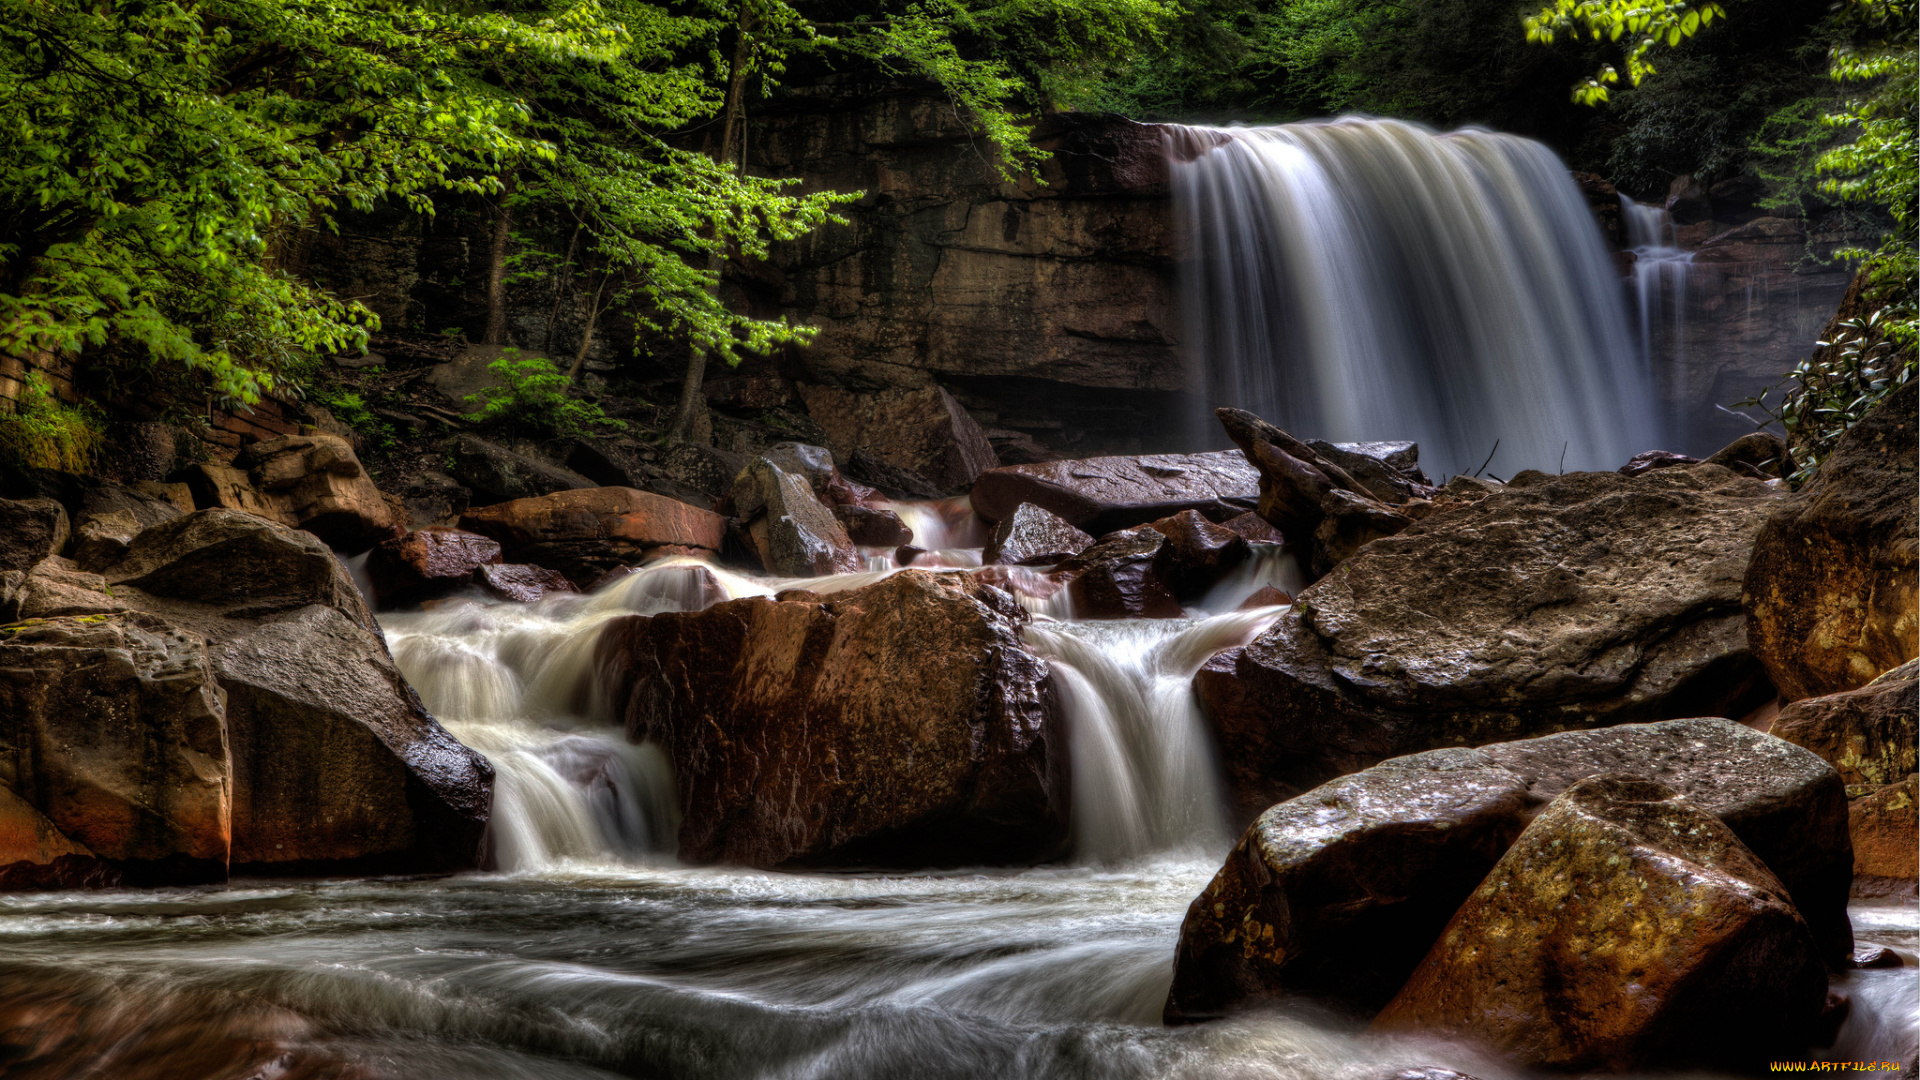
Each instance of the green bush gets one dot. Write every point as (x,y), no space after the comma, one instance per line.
(348,407)
(45,432)
(1831,390)
(535,396)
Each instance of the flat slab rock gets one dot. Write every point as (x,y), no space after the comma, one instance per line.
(1339,892)
(1575,601)
(903,724)
(1104,494)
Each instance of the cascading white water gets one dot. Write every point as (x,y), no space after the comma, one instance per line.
(1661,268)
(1362,279)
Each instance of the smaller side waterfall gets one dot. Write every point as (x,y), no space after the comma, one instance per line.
(1145,774)
(1660,270)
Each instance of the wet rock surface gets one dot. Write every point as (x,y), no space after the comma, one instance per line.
(114,762)
(1119,578)
(520,583)
(1869,734)
(1885,823)
(1579,601)
(1100,495)
(1626,928)
(1339,892)
(1031,536)
(870,527)
(585,533)
(904,723)
(1832,596)
(797,536)
(1197,553)
(427,563)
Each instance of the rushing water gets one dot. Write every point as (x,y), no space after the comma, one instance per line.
(589,952)
(1365,279)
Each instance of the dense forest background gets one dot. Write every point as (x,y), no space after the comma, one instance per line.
(161,159)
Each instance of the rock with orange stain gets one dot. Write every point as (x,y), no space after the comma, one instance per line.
(1871,735)
(1885,824)
(113,747)
(1627,928)
(585,533)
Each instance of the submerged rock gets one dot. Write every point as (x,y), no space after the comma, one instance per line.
(1104,494)
(1339,892)
(1871,735)
(1627,928)
(114,761)
(336,766)
(903,724)
(585,533)
(1832,596)
(1031,536)
(1579,601)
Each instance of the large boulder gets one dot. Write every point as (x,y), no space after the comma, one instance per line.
(904,723)
(1031,536)
(1832,594)
(1339,892)
(496,474)
(923,431)
(1871,735)
(317,484)
(336,766)
(52,587)
(114,761)
(585,533)
(103,516)
(1104,494)
(1572,602)
(1627,928)
(796,534)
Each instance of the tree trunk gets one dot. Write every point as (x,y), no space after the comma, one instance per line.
(730,129)
(586,336)
(560,281)
(496,333)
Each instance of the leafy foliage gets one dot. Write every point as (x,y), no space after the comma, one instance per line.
(535,396)
(1839,384)
(45,432)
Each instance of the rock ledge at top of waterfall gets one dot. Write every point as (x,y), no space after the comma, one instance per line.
(905,723)
(1552,603)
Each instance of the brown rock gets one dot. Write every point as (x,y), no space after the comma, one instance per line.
(1031,536)
(923,431)
(1886,831)
(337,768)
(31,530)
(317,484)
(1831,595)
(1339,892)
(519,583)
(223,487)
(1119,578)
(904,723)
(797,536)
(1869,734)
(869,527)
(1265,596)
(115,749)
(1103,494)
(1254,529)
(1759,454)
(1627,928)
(1197,553)
(427,563)
(1588,600)
(585,533)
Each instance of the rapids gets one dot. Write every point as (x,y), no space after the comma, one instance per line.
(588,951)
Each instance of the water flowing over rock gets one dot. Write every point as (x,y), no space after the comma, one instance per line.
(1571,602)
(1832,595)
(1031,536)
(585,533)
(115,761)
(924,431)
(1627,928)
(1371,279)
(1339,892)
(903,723)
(336,766)
(871,527)
(1871,735)
(1101,495)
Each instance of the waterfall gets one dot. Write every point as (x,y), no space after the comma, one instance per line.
(1660,271)
(1362,279)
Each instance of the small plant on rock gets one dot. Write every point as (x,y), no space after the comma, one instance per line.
(535,396)
(47,433)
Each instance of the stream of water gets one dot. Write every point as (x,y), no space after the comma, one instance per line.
(588,951)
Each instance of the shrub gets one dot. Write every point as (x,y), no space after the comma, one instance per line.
(536,396)
(45,432)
